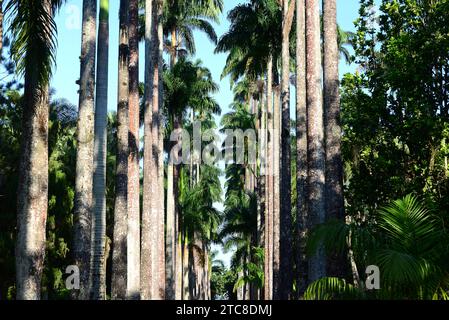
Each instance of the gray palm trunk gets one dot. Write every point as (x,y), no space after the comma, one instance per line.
(32,191)
(301,151)
(133,160)
(185,269)
(170,241)
(85,147)
(315,133)
(119,253)
(1,26)
(286,263)
(268,229)
(334,168)
(99,182)
(276,187)
(171,245)
(152,263)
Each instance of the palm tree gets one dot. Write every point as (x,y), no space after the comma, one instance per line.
(33,48)
(254,45)
(119,253)
(200,224)
(301,150)
(99,178)
(334,166)
(133,161)
(85,147)
(152,263)
(180,19)
(1,26)
(315,133)
(286,264)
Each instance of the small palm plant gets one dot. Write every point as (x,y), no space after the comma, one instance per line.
(405,240)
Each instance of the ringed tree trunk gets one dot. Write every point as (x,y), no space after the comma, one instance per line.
(1,26)
(315,134)
(185,268)
(133,160)
(268,245)
(276,189)
(301,151)
(152,263)
(172,260)
(119,253)
(85,147)
(334,168)
(99,182)
(32,191)
(286,263)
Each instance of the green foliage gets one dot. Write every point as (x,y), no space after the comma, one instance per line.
(408,243)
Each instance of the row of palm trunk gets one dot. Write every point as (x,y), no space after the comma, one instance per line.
(138,260)
(318,160)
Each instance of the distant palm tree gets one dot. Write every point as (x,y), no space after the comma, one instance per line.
(119,253)
(33,48)
(85,148)
(99,180)
(180,19)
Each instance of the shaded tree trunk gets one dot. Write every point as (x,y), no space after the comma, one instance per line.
(1,26)
(152,265)
(172,260)
(85,146)
(185,270)
(99,182)
(334,168)
(315,133)
(119,253)
(286,263)
(268,245)
(276,189)
(32,192)
(133,160)
(301,151)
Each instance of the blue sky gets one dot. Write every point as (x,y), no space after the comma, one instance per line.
(69,36)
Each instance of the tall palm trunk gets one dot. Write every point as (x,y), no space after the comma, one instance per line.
(286,265)
(276,188)
(133,160)
(185,268)
(119,253)
(32,191)
(301,151)
(170,241)
(268,264)
(315,133)
(99,184)
(172,184)
(85,148)
(334,168)
(1,26)
(152,265)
